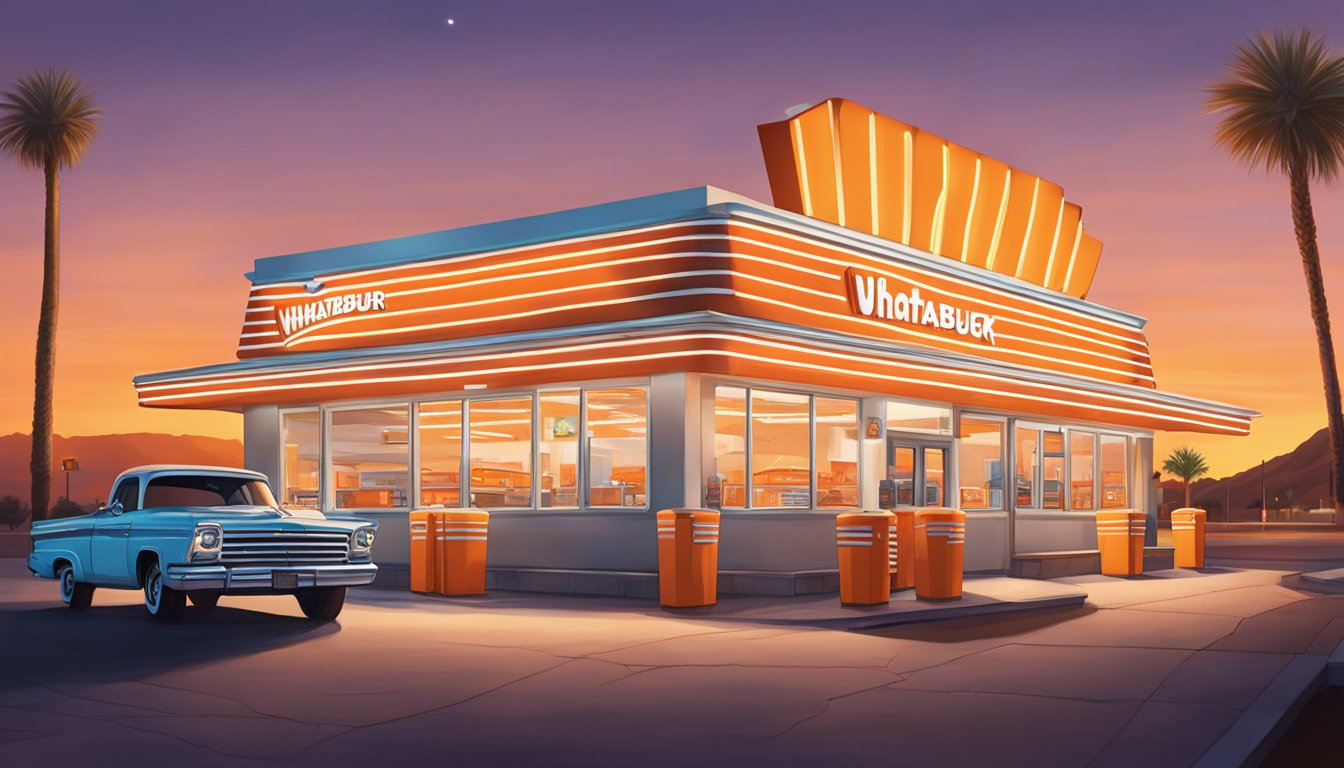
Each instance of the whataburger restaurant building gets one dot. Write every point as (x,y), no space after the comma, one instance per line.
(907,311)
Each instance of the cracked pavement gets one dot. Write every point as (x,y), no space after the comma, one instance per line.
(1152,671)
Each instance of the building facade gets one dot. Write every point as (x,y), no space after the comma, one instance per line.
(575,372)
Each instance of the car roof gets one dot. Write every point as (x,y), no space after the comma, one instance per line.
(161,469)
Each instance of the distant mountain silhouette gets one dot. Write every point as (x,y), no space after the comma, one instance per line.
(1299,478)
(103,457)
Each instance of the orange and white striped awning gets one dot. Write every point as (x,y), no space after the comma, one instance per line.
(713,347)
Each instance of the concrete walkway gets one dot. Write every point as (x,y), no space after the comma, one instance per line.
(1152,671)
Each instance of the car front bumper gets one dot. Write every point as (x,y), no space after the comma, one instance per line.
(251,578)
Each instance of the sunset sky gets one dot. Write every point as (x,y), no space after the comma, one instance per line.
(247,129)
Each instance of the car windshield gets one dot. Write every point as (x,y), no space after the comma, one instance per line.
(207,491)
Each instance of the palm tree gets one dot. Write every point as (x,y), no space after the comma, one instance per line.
(47,121)
(1283,109)
(1187,464)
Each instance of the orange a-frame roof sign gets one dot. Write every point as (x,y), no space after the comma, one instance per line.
(844,163)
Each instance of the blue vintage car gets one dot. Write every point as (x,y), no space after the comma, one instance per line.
(179,532)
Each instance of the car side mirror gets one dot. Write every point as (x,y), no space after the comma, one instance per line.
(115,508)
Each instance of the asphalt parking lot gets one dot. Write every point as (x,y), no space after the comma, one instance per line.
(1151,671)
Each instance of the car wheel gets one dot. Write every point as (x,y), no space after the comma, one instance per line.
(203,600)
(76,595)
(163,603)
(321,602)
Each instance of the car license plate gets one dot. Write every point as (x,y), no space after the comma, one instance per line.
(284,580)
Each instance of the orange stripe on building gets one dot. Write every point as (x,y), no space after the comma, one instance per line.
(738,268)
(710,352)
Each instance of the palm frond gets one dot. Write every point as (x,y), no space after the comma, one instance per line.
(1185,463)
(1283,104)
(48,117)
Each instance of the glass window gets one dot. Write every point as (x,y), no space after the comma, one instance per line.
(780,449)
(1114,480)
(440,434)
(980,457)
(915,417)
(559,455)
(1025,462)
(1082,452)
(730,444)
(618,447)
(1052,469)
(501,452)
(370,450)
(901,472)
(301,441)
(128,493)
(207,491)
(934,459)
(837,425)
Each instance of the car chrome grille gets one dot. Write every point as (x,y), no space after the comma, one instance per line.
(284,547)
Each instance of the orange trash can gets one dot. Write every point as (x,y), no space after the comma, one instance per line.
(940,553)
(448,551)
(688,557)
(861,540)
(1187,534)
(901,543)
(1120,539)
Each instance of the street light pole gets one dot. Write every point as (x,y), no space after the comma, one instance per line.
(68,466)
(1264,503)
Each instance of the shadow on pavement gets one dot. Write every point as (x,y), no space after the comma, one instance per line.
(981,627)
(43,645)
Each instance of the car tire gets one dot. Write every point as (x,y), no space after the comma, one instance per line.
(163,603)
(204,601)
(322,603)
(76,595)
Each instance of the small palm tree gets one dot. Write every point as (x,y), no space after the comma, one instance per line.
(1283,110)
(47,121)
(1187,464)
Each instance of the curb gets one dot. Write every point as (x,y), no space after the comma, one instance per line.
(884,617)
(1249,740)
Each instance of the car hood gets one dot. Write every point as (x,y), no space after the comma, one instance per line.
(268,517)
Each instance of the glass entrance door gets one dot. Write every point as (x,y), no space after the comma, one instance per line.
(917,472)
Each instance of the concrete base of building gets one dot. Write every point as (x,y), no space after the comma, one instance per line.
(1055,565)
(631,583)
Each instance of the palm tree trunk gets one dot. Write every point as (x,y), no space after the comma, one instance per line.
(1187,493)
(1304,226)
(40,463)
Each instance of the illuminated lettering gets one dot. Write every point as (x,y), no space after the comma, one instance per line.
(870,296)
(296,317)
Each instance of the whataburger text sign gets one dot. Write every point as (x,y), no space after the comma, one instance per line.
(294,317)
(872,295)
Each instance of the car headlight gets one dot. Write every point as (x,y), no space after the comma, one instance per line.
(363,538)
(206,542)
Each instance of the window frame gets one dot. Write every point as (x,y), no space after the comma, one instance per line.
(749,438)
(282,478)
(327,473)
(1005,456)
(326,487)
(1098,432)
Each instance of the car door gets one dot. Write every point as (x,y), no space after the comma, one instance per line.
(110,545)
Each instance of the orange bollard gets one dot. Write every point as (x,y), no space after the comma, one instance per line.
(940,553)
(865,566)
(902,546)
(1187,534)
(688,557)
(1120,539)
(448,549)
(424,552)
